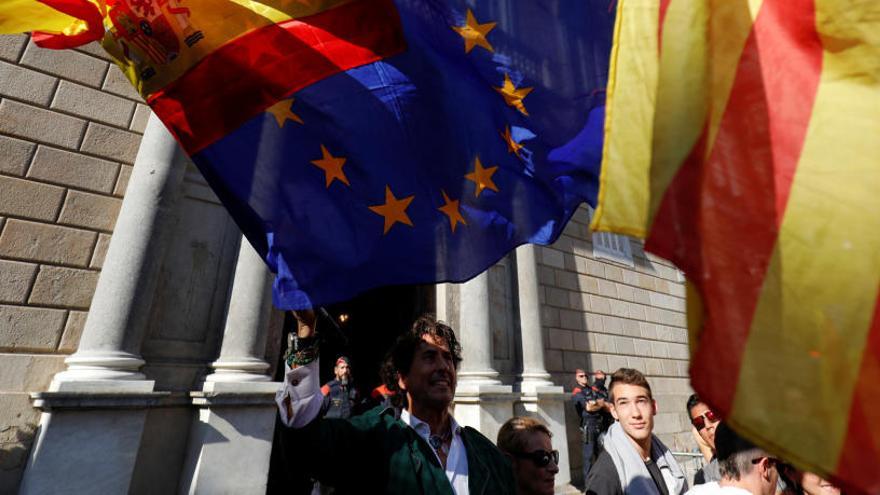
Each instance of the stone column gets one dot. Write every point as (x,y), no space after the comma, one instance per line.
(540,398)
(534,372)
(94,412)
(237,401)
(244,338)
(108,355)
(481,401)
(441,307)
(475,333)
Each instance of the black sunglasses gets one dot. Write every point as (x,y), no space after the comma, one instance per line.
(540,457)
(770,460)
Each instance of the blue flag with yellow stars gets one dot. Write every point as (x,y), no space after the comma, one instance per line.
(417,141)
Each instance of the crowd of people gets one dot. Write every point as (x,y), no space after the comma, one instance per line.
(622,455)
(402,438)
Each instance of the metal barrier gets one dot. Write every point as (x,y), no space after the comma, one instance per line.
(690,463)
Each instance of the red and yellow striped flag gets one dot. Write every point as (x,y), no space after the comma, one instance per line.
(743,143)
(190,58)
(156,42)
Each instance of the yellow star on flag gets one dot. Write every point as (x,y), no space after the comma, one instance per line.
(474,33)
(332,167)
(394,210)
(451,210)
(482,177)
(513,96)
(512,146)
(282,112)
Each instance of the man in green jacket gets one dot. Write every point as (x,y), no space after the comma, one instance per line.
(420,450)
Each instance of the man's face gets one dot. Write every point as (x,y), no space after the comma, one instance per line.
(431,379)
(707,432)
(342,371)
(581,378)
(634,409)
(529,477)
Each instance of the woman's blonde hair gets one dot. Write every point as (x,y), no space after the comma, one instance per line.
(513,434)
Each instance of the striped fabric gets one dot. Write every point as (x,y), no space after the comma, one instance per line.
(743,143)
(190,58)
(56,23)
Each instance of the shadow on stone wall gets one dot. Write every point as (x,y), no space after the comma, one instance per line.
(15,445)
(575,445)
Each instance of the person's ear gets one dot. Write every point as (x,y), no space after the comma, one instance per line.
(614,411)
(401,382)
(766,466)
(653,407)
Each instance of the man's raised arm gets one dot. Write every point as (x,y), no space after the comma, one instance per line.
(300,399)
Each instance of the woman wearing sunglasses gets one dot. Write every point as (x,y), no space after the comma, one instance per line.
(526,442)
(704,422)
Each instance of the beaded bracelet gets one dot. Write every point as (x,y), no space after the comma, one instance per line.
(303,351)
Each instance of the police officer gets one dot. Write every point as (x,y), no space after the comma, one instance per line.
(590,403)
(340,396)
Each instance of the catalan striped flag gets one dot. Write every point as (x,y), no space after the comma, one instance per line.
(364,143)
(743,143)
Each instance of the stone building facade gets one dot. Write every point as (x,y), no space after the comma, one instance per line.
(172,372)
(70,127)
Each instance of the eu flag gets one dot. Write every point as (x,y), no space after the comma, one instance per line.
(421,142)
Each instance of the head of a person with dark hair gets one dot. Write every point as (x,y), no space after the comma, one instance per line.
(806,483)
(744,465)
(423,365)
(580,377)
(527,443)
(703,419)
(633,405)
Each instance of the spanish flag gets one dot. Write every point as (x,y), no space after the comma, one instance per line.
(190,58)
(743,143)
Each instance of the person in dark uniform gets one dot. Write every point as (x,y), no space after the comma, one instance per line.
(382,396)
(340,401)
(340,396)
(386,394)
(590,403)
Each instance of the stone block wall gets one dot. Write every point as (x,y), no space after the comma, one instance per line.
(70,127)
(601,314)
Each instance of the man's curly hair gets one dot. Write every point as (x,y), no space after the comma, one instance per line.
(399,359)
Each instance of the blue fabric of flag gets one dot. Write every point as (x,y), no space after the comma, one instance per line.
(417,125)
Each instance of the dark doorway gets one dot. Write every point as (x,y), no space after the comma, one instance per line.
(366,327)
(363,329)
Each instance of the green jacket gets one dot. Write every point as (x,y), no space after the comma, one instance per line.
(378,453)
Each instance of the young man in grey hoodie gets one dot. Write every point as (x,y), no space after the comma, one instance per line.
(633,460)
